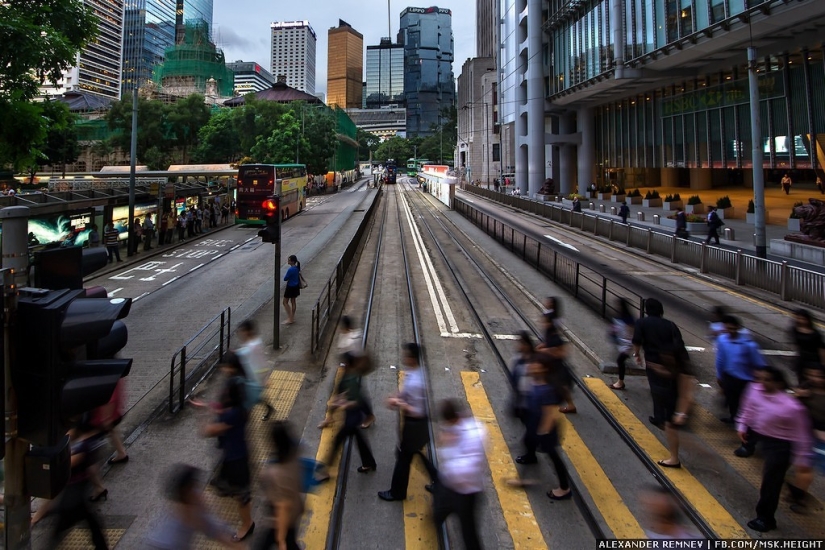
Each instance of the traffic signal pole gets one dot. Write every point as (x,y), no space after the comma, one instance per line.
(276,331)
(17,511)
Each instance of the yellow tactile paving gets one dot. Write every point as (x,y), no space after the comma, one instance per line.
(717,517)
(515,506)
(80,539)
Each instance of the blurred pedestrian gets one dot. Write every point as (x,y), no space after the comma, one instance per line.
(72,505)
(737,356)
(229,426)
(348,399)
(281,480)
(714,224)
(577,204)
(106,419)
(253,360)
(783,430)
(681,224)
(820,185)
(522,385)
(552,305)
(187,515)
(810,346)
(624,212)
(460,478)
(137,235)
(94,237)
(786,183)
(163,224)
(812,395)
(556,348)
(352,341)
(621,332)
(667,366)
(663,517)
(293,288)
(148,232)
(111,238)
(411,400)
(716,327)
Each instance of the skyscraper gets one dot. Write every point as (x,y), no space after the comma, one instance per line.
(385,75)
(250,77)
(486,29)
(429,85)
(97,67)
(148,29)
(345,66)
(293,54)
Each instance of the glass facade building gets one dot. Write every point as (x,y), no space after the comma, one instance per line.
(385,75)
(429,85)
(656,92)
(148,29)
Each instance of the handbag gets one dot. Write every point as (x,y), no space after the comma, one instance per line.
(303,283)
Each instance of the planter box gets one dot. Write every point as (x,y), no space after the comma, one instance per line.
(651,203)
(604,196)
(672,205)
(633,200)
(725,213)
(546,198)
(695,208)
(617,198)
(750,217)
(793,224)
(693,228)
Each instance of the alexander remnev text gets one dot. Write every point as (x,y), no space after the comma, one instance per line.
(735,544)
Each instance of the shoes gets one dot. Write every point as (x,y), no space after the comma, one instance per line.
(761,525)
(430,487)
(267,414)
(664,464)
(527,459)
(743,452)
(388,496)
(566,496)
(617,386)
(366,469)
(104,494)
(368,422)
(249,532)
(727,420)
(114,461)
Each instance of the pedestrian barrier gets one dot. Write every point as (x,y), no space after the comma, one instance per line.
(196,359)
(328,296)
(788,282)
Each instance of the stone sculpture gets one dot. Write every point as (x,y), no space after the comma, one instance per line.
(812,220)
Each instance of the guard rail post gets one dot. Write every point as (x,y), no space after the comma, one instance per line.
(738,267)
(581,222)
(220,346)
(649,240)
(538,256)
(524,248)
(312,330)
(596,226)
(628,234)
(604,296)
(784,280)
(182,387)
(610,231)
(576,295)
(673,241)
(703,261)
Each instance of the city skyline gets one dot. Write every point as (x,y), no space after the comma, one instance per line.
(246,42)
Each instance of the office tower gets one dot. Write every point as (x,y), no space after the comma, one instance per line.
(293,54)
(429,86)
(486,29)
(148,29)
(385,75)
(192,11)
(97,66)
(250,77)
(345,66)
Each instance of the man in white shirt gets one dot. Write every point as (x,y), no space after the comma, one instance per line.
(253,360)
(461,475)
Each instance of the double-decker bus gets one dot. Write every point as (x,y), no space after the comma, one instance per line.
(415,165)
(258,181)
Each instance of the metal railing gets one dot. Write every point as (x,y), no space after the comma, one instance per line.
(322,309)
(196,359)
(790,283)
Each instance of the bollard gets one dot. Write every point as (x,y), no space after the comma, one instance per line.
(640,216)
(612,210)
(592,206)
(602,209)
(656,218)
(730,234)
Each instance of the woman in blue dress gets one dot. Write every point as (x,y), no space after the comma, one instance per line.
(293,288)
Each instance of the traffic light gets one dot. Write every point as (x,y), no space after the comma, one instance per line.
(272,210)
(65,267)
(62,361)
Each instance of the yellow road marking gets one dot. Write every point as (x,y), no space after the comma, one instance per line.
(611,506)
(318,505)
(719,519)
(515,506)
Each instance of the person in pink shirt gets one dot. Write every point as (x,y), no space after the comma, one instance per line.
(783,429)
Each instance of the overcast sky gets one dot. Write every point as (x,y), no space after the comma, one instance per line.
(242,26)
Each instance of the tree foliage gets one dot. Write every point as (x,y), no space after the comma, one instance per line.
(186,117)
(280,145)
(219,140)
(368,142)
(319,133)
(61,146)
(397,148)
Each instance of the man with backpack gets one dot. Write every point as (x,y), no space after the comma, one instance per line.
(714,224)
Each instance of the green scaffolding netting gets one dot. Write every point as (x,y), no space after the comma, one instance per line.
(347,148)
(193,62)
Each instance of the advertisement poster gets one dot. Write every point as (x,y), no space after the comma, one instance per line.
(120,216)
(70,229)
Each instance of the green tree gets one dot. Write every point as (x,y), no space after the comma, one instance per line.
(219,140)
(186,117)
(156,158)
(103,150)
(368,142)
(279,146)
(319,134)
(257,119)
(61,146)
(152,126)
(397,148)
(40,39)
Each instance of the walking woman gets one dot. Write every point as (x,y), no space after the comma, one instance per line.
(556,348)
(229,426)
(522,384)
(809,343)
(281,479)
(783,429)
(349,400)
(622,333)
(293,288)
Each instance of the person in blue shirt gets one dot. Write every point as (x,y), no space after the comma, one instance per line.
(293,288)
(737,356)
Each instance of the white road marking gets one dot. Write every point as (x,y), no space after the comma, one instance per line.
(773,352)
(234,247)
(506,336)
(561,243)
(460,335)
(694,348)
(706,385)
(139,297)
(112,293)
(173,279)
(196,267)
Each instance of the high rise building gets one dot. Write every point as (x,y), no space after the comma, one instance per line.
(486,29)
(429,85)
(149,28)
(250,77)
(345,66)
(293,54)
(385,75)
(97,66)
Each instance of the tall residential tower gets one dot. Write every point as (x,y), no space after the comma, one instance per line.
(345,66)
(293,54)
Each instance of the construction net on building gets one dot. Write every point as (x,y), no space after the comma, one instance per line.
(195,65)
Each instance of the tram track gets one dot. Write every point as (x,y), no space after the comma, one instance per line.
(508,302)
